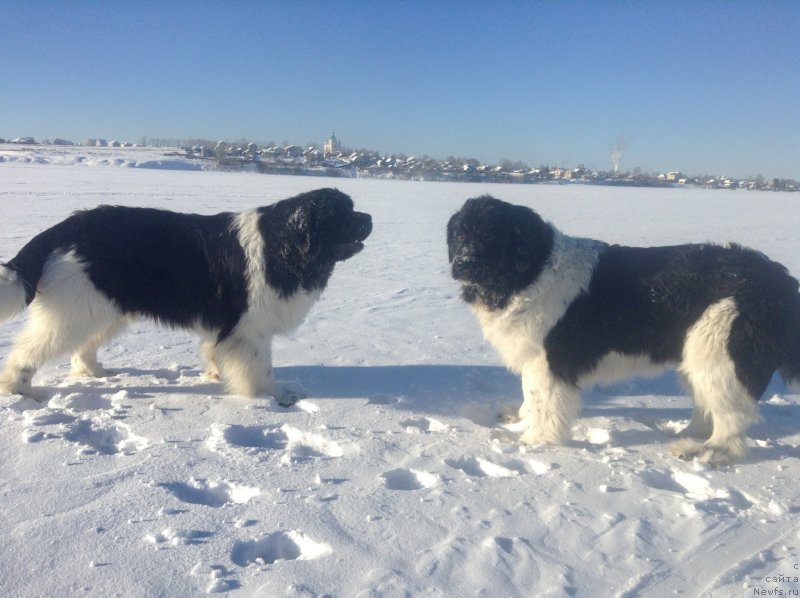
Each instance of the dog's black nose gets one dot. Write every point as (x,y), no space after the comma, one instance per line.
(364,225)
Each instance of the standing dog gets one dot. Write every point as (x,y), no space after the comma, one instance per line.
(566,312)
(236,279)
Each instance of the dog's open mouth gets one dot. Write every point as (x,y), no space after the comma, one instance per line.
(343,251)
(360,228)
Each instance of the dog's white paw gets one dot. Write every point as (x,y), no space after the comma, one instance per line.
(211,375)
(535,436)
(83,370)
(19,383)
(686,448)
(712,454)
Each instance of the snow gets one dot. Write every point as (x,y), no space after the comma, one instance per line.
(393,477)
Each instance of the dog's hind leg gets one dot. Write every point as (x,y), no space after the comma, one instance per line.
(550,405)
(84,360)
(718,393)
(700,426)
(66,314)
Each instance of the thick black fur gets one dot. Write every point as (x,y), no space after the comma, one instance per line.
(305,236)
(640,301)
(180,269)
(492,251)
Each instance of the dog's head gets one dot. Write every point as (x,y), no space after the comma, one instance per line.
(310,233)
(496,249)
(325,225)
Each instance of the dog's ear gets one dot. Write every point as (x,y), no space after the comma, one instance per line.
(523,249)
(299,229)
(532,240)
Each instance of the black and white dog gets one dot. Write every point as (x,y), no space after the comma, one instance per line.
(566,312)
(236,279)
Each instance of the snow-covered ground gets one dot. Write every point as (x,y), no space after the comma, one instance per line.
(393,478)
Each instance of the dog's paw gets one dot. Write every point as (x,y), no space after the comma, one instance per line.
(86,371)
(20,385)
(686,448)
(534,437)
(711,454)
(211,375)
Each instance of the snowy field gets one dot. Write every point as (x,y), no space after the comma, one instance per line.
(393,478)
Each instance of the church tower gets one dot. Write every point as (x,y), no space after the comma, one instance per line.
(332,146)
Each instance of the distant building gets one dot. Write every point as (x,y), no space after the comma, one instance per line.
(332,146)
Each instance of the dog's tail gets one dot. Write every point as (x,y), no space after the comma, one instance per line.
(12,293)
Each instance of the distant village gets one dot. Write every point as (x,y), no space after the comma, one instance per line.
(333,159)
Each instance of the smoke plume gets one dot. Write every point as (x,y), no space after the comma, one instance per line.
(619,146)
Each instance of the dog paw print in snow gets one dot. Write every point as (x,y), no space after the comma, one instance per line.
(294,444)
(698,492)
(211,494)
(177,537)
(423,424)
(219,578)
(481,468)
(93,435)
(409,479)
(279,546)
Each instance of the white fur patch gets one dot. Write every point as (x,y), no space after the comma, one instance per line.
(12,294)
(719,396)
(616,366)
(267,312)
(68,314)
(244,358)
(519,330)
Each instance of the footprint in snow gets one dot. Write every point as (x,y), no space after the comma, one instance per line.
(101,435)
(478,467)
(424,424)
(409,479)
(698,490)
(279,546)
(217,575)
(211,494)
(252,437)
(81,401)
(295,445)
(177,537)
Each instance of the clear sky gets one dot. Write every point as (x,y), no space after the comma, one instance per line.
(701,87)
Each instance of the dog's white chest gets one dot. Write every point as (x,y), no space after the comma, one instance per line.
(519,330)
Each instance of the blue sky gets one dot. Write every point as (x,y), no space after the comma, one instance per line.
(702,87)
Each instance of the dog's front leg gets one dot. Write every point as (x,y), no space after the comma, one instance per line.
(550,405)
(245,365)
